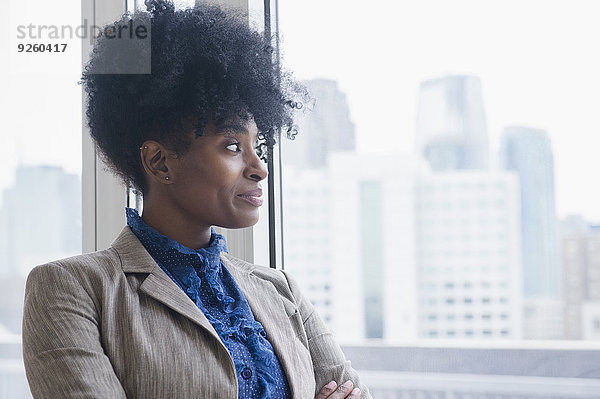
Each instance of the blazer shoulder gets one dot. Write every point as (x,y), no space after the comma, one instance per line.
(91,270)
(103,259)
(283,282)
(242,266)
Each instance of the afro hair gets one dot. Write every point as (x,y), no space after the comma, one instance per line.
(206,64)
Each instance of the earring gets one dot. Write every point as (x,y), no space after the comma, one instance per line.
(166,177)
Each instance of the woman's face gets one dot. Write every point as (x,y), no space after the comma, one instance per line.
(217,181)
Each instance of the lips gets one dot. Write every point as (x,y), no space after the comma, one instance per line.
(254,197)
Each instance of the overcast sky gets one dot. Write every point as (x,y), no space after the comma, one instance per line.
(537,60)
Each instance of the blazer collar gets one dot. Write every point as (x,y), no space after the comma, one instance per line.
(135,258)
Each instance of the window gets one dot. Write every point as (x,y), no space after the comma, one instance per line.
(372,199)
(463,206)
(40,181)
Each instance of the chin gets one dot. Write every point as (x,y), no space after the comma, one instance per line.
(240,223)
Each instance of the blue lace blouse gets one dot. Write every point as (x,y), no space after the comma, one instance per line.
(206,281)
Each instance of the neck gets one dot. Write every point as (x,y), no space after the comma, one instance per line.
(168,222)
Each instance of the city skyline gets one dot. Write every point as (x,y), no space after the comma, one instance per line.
(463,220)
(485,237)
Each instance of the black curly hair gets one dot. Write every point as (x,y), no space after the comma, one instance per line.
(206,64)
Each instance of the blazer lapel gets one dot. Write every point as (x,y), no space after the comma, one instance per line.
(269,310)
(158,285)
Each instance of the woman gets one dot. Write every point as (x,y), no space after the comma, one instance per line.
(165,312)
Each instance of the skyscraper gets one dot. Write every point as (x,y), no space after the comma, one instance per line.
(350,243)
(40,219)
(451,123)
(528,153)
(373,243)
(326,126)
(468,255)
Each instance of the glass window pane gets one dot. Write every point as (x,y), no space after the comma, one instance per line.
(40,146)
(440,184)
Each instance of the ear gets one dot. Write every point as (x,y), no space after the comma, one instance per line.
(155,158)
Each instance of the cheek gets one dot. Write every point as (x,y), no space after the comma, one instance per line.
(215,178)
(219,183)
(227,170)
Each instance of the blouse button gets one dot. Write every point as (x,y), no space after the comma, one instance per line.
(246,373)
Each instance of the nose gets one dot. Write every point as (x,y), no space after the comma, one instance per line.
(256,169)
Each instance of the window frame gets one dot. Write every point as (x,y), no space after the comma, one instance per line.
(103,196)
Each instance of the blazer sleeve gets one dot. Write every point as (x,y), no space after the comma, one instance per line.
(329,362)
(62,348)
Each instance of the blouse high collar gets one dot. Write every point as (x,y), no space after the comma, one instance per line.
(157,243)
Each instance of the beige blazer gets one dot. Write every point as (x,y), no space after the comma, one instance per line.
(112,324)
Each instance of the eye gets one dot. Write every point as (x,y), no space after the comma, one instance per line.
(234,147)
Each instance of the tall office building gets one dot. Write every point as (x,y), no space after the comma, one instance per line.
(468,255)
(323,126)
(528,153)
(373,239)
(581,284)
(40,219)
(307,235)
(451,124)
(349,241)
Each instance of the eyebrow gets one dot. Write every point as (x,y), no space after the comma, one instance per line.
(232,129)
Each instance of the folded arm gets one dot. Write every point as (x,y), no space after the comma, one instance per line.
(62,347)
(329,362)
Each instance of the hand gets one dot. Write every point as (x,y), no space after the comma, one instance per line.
(345,390)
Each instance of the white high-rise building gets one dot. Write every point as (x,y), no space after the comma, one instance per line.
(42,207)
(468,255)
(307,235)
(373,247)
(349,240)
